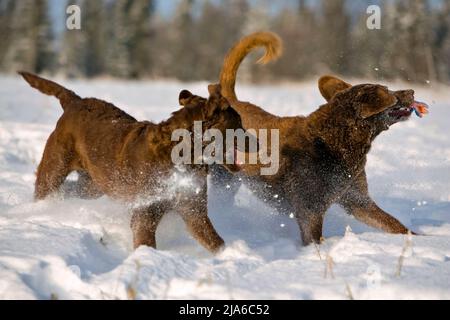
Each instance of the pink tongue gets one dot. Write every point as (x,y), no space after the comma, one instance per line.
(236,162)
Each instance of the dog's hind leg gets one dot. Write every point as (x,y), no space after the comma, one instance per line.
(357,202)
(53,169)
(224,183)
(86,188)
(195,214)
(83,188)
(201,228)
(144,223)
(311,228)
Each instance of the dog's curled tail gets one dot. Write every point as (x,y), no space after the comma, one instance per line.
(274,49)
(49,88)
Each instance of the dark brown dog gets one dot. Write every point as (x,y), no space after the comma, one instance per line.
(130,160)
(322,156)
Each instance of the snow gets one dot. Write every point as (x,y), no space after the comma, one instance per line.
(79,249)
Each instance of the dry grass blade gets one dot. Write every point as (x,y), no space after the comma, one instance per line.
(406,247)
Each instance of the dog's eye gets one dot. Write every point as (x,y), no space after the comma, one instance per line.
(364,97)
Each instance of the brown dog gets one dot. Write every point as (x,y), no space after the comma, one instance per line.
(322,156)
(130,160)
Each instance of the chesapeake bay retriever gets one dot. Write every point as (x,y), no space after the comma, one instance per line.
(131,161)
(323,155)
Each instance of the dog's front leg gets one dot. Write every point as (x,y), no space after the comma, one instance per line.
(357,202)
(194,211)
(311,225)
(144,223)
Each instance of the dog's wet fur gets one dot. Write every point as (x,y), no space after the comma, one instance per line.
(118,156)
(323,155)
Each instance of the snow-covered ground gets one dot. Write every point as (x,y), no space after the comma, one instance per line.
(79,249)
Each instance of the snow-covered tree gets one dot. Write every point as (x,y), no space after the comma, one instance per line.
(119,60)
(335,35)
(372,51)
(441,41)
(31,44)
(6,12)
(416,23)
(72,57)
(83,51)
(129,49)
(94,29)
(139,21)
(182,42)
(299,31)
(257,19)
(219,26)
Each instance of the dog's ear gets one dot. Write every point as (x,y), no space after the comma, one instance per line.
(329,86)
(184,97)
(215,97)
(214,90)
(374,99)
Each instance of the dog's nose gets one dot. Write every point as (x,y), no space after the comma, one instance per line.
(405,94)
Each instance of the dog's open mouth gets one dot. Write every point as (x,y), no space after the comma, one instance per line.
(401,112)
(239,158)
(236,164)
